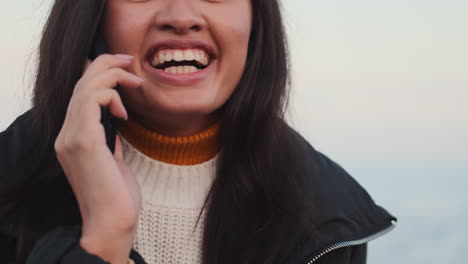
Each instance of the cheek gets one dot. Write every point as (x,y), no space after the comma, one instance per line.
(234,54)
(231,24)
(121,30)
(236,51)
(232,28)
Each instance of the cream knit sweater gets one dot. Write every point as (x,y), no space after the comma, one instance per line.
(173,196)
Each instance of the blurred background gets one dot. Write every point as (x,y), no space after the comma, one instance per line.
(379,86)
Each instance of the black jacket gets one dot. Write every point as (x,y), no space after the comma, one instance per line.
(348,217)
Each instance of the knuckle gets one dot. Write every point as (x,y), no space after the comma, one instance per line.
(118,73)
(105,58)
(114,93)
(58,145)
(62,146)
(75,144)
(85,83)
(98,97)
(69,144)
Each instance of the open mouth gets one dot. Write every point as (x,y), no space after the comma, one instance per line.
(180,61)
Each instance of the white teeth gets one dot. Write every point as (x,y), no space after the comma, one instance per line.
(188,55)
(155,61)
(197,55)
(204,60)
(163,56)
(190,69)
(181,69)
(178,55)
(168,56)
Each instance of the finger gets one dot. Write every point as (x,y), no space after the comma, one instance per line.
(109,98)
(118,154)
(108,61)
(113,77)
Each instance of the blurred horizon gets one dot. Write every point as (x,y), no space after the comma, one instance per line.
(381,87)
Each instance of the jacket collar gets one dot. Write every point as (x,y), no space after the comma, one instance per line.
(342,211)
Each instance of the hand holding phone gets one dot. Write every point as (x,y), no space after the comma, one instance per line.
(108,195)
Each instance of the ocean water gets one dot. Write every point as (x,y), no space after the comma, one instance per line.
(427,193)
(432,207)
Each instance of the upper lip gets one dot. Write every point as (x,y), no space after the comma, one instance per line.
(181,44)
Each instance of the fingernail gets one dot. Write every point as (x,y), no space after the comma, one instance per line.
(124,56)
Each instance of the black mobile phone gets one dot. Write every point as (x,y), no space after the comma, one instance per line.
(107,119)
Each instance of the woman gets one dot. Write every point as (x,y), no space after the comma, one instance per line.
(204,168)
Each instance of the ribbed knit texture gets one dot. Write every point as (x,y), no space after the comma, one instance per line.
(173,196)
(188,150)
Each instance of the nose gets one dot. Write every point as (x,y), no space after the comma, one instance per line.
(180,17)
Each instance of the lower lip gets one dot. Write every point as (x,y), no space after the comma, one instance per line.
(180,79)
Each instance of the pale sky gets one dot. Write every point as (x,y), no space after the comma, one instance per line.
(381,86)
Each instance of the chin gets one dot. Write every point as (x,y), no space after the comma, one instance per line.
(187,107)
(174,101)
(188,101)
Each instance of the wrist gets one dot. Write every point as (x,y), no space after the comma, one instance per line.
(115,250)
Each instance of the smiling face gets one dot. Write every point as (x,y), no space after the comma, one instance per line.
(191,54)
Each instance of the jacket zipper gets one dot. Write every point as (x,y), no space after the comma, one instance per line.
(353,242)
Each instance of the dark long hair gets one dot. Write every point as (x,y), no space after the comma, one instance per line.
(256,206)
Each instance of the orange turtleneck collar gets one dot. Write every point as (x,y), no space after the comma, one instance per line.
(189,150)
